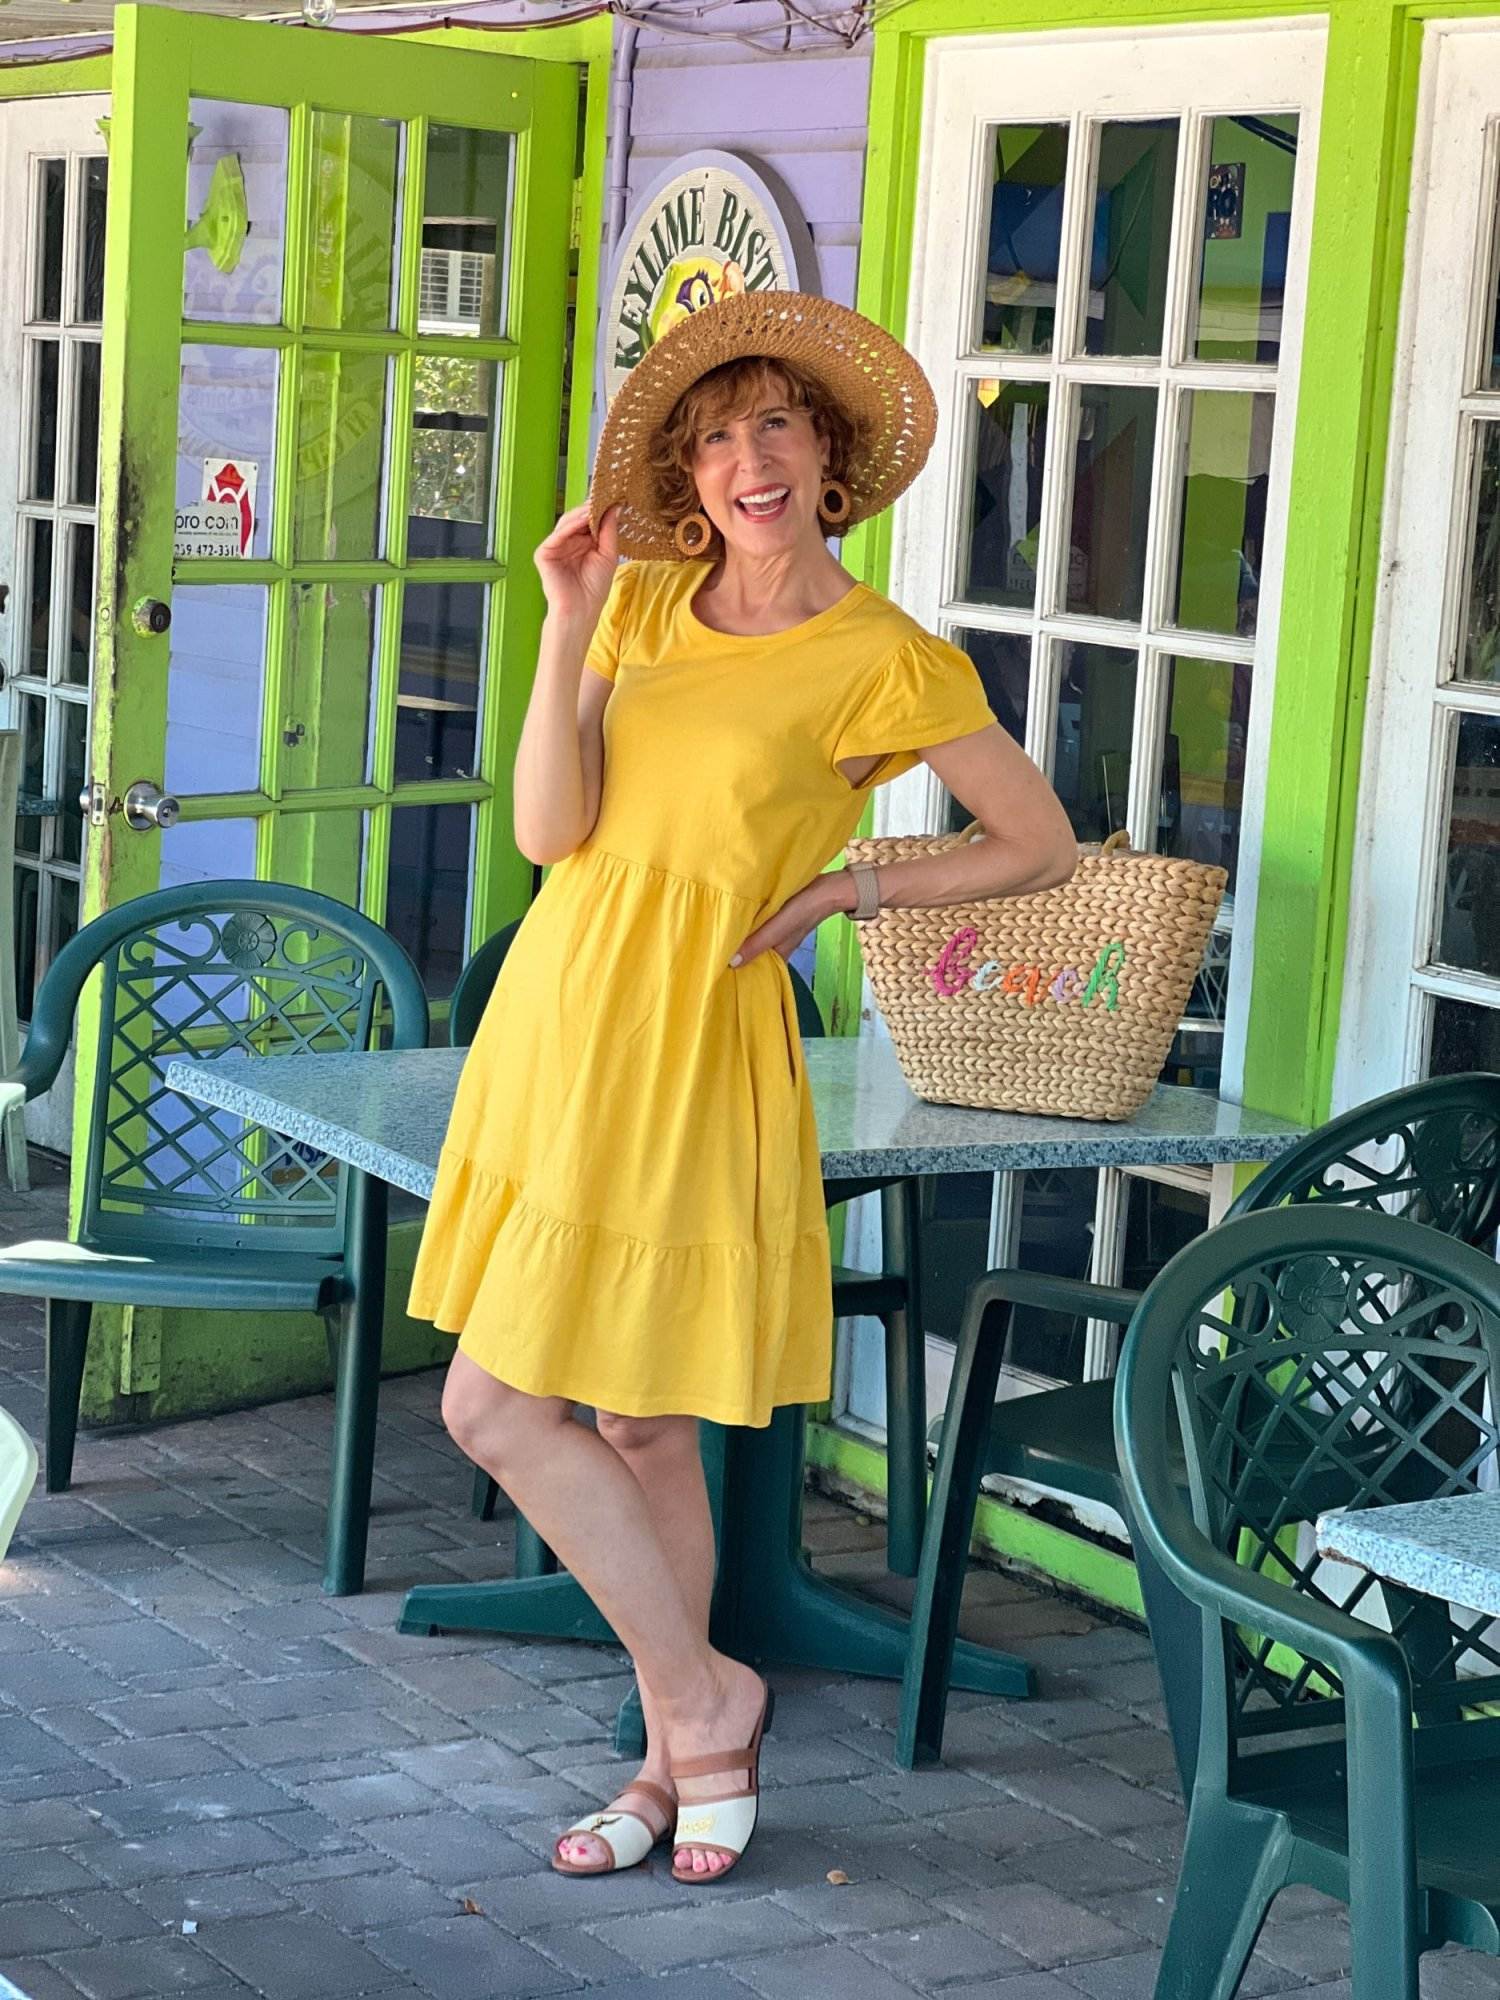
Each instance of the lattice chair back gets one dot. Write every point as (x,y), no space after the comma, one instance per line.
(1317,1358)
(1430,1152)
(200,971)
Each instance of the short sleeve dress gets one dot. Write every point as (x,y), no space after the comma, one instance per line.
(629,1210)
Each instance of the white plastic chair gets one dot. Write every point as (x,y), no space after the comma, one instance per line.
(18,1464)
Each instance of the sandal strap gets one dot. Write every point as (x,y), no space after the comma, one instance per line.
(665,1804)
(725,1760)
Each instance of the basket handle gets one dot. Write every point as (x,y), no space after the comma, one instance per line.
(1116,843)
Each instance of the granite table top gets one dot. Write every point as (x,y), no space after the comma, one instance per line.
(386,1113)
(1443,1548)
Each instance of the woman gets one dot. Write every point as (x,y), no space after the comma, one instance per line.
(629,1211)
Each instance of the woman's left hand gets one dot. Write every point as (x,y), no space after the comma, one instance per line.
(799,915)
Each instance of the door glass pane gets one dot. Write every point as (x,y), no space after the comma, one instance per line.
(64,914)
(1203,761)
(1226,461)
(226,433)
(31,718)
(51,194)
(437,700)
(67,828)
(1024,240)
(207,850)
(1132,237)
(78,653)
(1009,432)
(1111,500)
(1091,762)
(452,457)
(39,599)
(1159,1221)
(427,889)
(352,191)
(28,884)
(464,231)
(83,487)
(326,723)
(1003,660)
(1464,1037)
(1247,215)
(94,201)
(214,677)
(44,363)
(1056,1235)
(1480,658)
(1469,917)
(236,211)
(340,435)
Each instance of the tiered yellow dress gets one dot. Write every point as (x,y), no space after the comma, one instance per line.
(629,1208)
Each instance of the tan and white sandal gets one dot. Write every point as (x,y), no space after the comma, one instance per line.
(626,1837)
(722,1825)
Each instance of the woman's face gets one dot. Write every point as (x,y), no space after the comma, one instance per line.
(759,476)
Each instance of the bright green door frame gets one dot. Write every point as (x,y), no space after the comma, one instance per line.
(1343,415)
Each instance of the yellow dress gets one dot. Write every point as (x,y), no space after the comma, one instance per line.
(629,1208)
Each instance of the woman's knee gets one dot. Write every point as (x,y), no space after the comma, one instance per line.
(634,1435)
(492,1423)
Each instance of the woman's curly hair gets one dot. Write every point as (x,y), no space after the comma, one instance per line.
(732,391)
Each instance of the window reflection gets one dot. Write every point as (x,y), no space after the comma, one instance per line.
(1469,919)
(427,892)
(1222,509)
(437,703)
(452,457)
(1010,444)
(1246,227)
(1132,237)
(1024,237)
(1091,761)
(1203,762)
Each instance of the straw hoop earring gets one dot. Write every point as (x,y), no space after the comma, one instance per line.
(835,503)
(692,533)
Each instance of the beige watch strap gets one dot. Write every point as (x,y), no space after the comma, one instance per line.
(866,878)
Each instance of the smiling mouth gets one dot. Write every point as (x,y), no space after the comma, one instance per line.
(766,505)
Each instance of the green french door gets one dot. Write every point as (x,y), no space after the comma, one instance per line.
(334,326)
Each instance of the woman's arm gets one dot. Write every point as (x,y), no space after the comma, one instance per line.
(1029,845)
(559,768)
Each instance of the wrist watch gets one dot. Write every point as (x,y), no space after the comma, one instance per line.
(866,878)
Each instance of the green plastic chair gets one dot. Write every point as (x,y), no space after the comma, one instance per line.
(889,1295)
(1306,1361)
(18,1467)
(186,1205)
(1442,1142)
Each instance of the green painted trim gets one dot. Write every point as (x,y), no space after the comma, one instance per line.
(1001,1530)
(69,78)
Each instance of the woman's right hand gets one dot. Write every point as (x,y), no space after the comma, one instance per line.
(576,568)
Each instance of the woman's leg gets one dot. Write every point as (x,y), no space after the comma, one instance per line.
(663,1455)
(578,1491)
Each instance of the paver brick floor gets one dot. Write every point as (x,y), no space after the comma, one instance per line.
(215,1781)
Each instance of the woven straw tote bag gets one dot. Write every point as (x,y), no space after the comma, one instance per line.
(1065,1002)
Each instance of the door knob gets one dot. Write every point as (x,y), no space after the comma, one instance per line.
(151,618)
(147,806)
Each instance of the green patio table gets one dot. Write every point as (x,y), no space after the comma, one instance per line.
(386,1114)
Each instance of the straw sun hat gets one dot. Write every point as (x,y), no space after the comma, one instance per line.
(857,365)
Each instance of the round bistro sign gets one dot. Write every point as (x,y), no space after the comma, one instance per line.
(709,227)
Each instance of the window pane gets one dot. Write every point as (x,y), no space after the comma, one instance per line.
(1247,215)
(207,850)
(28,885)
(427,893)
(452,457)
(352,194)
(1057,1236)
(51,194)
(226,433)
(31,719)
(67,828)
(1132,237)
(78,653)
(1159,1221)
(1464,1037)
(953,1246)
(1203,762)
(1003,660)
(327,722)
(1226,458)
(1469,918)
(340,433)
(44,364)
(84,485)
(463,231)
(1009,444)
(215,669)
(91,242)
(236,212)
(1480,660)
(39,600)
(1091,763)
(1111,500)
(1025,237)
(437,701)
(64,914)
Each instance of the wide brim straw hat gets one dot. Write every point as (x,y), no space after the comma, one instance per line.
(856,364)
